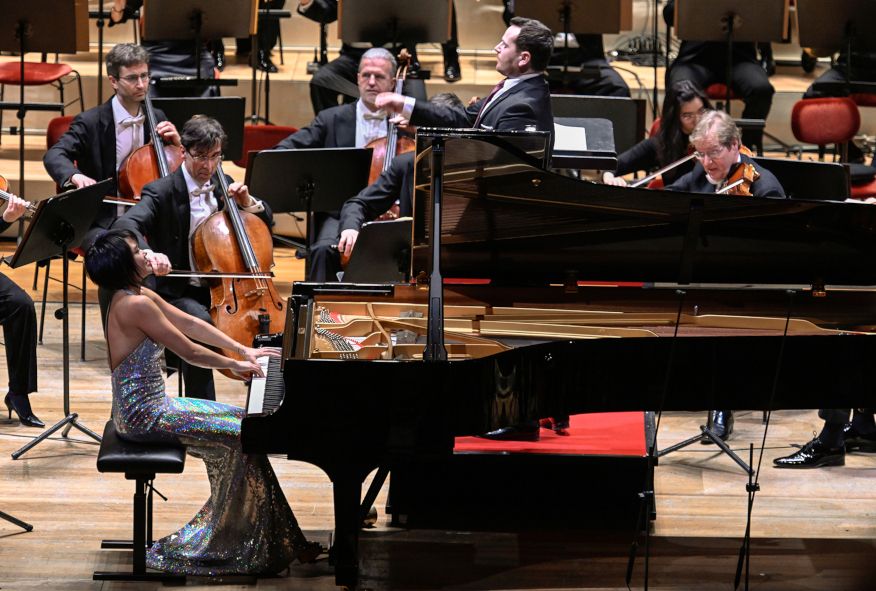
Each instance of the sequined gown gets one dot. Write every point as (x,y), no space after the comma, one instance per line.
(246,526)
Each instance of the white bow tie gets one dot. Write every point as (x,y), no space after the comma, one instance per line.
(202,190)
(138,120)
(374,116)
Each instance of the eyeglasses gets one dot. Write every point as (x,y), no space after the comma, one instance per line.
(712,154)
(205,158)
(134,78)
(692,116)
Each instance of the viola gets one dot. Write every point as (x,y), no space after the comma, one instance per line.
(740,180)
(4,196)
(150,161)
(237,244)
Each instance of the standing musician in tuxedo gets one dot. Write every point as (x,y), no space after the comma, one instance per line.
(519,102)
(352,125)
(167,216)
(18,318)
(101,139)
(705,63)
(717,142)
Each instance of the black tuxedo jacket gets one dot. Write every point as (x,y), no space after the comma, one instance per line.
(161,222)
(526,104)
(767,185)
(397,182)
(332,128)
(89,148)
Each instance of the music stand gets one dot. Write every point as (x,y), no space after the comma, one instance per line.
(392,21)
(227,110)
(268,14)
(52,26)
(59,224)
(196,20)
(308,180)
(831,26)
(382,253)
(731,21)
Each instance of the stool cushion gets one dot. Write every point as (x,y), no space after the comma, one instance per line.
(35,73)
(119,455)
(718,92)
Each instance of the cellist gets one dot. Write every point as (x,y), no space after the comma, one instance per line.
(169,212)
(100,139)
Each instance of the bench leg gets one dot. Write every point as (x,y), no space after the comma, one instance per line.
(142,532)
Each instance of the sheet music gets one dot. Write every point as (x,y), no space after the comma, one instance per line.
(569,139)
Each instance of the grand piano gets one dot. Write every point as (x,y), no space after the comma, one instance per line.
(534,294)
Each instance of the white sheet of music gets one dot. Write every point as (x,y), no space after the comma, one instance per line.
(569,139)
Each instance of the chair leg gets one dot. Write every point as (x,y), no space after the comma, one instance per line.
(45,296)
(82,343)
(81,97)
(280,43)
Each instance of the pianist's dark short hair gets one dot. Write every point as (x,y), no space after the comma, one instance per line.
(127,55)
(200,133)
(110,263)
(536,38)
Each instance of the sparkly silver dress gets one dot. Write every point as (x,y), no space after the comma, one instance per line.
(246,526)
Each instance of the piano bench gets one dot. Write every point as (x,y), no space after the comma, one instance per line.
(139,462)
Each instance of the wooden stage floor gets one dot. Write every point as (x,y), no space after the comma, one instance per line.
(812,529)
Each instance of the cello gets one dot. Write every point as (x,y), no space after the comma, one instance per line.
(234,242)
(150,161)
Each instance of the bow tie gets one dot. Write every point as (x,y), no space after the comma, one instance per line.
(375,116)
(202,190)
(138,120)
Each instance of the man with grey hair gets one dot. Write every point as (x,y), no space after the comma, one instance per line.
(352,125)
(717,142)
(101,139)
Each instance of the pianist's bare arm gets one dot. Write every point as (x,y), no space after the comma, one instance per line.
(203,332)
(146,313)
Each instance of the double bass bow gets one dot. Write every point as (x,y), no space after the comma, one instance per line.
(238,243)
(150,161)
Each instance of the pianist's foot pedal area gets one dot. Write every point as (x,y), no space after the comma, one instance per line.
(708,436)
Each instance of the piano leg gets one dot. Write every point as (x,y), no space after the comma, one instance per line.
(345,548)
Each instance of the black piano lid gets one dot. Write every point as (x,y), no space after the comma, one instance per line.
(507,219)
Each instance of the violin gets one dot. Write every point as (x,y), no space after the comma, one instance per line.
(5,195)
(150,161)
(238,245)
(395,143)
(740,180)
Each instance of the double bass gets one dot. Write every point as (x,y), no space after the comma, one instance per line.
(238,243)
(150,161)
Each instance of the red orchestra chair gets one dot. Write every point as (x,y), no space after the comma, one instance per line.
(262,137)
(823,121)
(40,74)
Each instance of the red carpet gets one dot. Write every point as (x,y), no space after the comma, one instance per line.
(611,433)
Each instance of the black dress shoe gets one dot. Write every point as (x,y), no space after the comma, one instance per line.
(21,406)
(720,423)
(521,432)
(452,73)
(813,455)
(856,441)
(265,64)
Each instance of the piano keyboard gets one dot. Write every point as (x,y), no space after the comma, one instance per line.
(266,394)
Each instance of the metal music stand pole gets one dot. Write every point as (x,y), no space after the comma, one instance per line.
(59,224)
(23,525)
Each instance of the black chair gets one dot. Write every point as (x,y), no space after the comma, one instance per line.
(139,462)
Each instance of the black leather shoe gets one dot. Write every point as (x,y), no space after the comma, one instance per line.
(813,455)
(521,432)
(21,406)
(452,73)
(265,64)
(856,441)
(720,423)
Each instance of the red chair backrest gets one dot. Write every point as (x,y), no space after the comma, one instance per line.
(823,121)
(58,126)
(262,137)
(718,92)
(656,183)
(655,128)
